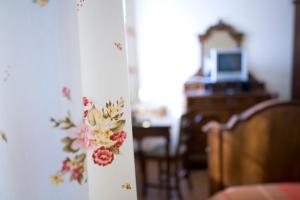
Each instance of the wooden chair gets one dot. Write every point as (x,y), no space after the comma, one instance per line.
(160,153)
(195,139)
(169,157)
(261,145)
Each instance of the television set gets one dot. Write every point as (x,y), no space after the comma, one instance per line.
(228,65)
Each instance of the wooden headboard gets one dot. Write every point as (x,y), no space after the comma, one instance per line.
(261,145)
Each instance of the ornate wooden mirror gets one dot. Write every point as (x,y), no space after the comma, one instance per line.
(220,35)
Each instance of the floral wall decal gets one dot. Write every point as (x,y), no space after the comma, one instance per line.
(3,136)
(66,93)
(80,4)
(41,3)
(100,131)
(119,46)
(126,186)
(6,73)
(106,134)
(74,164)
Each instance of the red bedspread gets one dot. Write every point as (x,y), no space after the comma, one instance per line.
(285,191)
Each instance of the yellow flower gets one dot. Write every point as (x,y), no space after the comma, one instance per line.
(103,138)
(106,122)
(126,186)
(42,2)
(57,179)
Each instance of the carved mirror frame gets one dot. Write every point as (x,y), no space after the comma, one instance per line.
(220,26)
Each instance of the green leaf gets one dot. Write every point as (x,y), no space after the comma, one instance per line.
(91,117)
(68,145)
(115,150)
(118,126)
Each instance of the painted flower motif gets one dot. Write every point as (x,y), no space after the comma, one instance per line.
(126,186)
(119,46)
(66,166)
(57,179)
(103,138)
(41,2)
(80,4)
(3,136)
(85,113)
(102,132)
(86,101)
(119,137)
(66,92)
(103,156)
(7,73)
(77,174)
(84,138)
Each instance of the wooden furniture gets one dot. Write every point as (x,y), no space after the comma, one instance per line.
(195,155)
(220,99)
(261,145)
(224,105)
(296,66)
(200,91)
(218,107)
(167,156)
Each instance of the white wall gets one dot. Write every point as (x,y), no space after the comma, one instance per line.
(169,51)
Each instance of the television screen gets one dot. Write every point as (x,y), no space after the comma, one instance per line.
(229,62)
(228,65)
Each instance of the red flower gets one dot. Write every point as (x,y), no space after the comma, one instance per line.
(85,113)
(119,137)
(86,101)
(77,174)
(65,168)
(103,156)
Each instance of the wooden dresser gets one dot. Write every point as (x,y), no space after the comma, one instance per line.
(225,99)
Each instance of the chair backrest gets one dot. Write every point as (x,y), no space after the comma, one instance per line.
(192,138)
(258,146)
(140,134)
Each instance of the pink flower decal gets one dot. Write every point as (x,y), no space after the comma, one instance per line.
(66,92)
(119,137)
(80,4)
(85,113)
(103,156)
(84,138)
(86,101)
(101,132)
